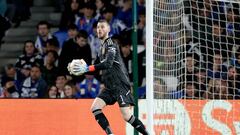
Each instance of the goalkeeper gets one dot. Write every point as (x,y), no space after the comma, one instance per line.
(115,79)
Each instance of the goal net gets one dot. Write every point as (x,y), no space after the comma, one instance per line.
(193,67)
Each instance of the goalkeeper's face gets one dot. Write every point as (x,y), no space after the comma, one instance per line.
(102,30)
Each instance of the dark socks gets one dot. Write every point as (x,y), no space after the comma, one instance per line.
(102,121)
(138,125)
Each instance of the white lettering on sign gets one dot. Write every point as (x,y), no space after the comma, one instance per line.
(237,127)
(213,123)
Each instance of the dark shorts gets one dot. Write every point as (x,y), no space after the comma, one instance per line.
(123,96)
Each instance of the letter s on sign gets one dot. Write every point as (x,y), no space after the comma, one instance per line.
(210,121)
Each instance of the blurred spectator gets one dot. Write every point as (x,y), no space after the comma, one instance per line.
(160,88)
(70,90)
(43,28)
(233,80)
(10,89)
(191,64)
(87,20)
(217,9)
(52,45)
(29,57)
(26,71)
(126,54)
(67,48)
(71,11)
(89,87)
(236,61)
(72,31)
(116,25)
(216,69)
(232,25)
(52,92)
(141,26)
(100,4)
(201,81)
(141,6)
(125,13)
(11,73)
(60,83)
(94,42)
(68,17)
(50,71)
(34,86)
(200,21)
(217,41)
(217,89)
(190,91)
(79,49)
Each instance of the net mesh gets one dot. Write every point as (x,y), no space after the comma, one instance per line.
(196,49)
(196,55)
(168,31)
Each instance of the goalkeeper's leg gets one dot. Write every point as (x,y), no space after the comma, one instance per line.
(96,109)
(135,122)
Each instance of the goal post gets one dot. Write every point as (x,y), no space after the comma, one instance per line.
(149,63)
(163,35)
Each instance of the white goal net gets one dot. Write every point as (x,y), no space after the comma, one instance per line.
(193,67)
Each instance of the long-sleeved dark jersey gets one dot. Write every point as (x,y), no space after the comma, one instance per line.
(113,69)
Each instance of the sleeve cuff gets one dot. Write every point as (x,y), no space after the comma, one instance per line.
(91,68)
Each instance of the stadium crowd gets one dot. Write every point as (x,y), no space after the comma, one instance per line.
(41,70)
(212,61)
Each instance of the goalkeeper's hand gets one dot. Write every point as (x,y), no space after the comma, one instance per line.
(77,67)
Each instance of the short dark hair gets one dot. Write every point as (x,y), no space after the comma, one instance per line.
(193,55)
(9,66)
(142,12)
(90,5)
(61,74)
(83,34)
(37,66)
(53,42)
(126,37)
(108,9)
(72,26)
(29,41)
(44,23)
(55,54)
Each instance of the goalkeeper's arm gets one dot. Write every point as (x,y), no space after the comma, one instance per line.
(108,62)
